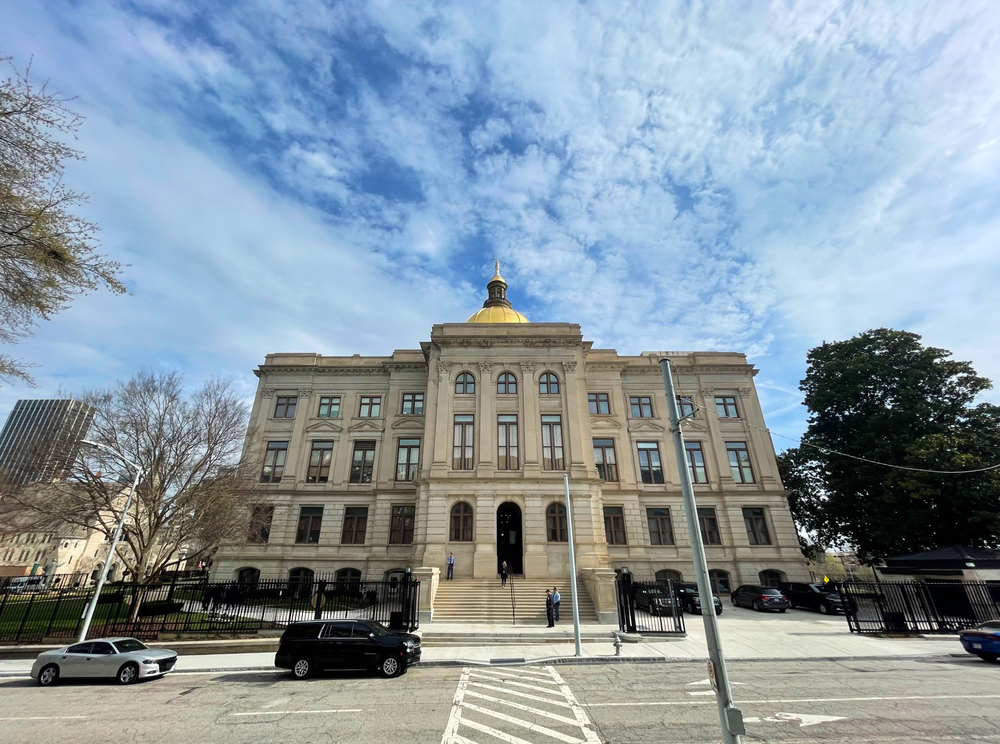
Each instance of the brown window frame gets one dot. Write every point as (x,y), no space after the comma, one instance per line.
(716,576)
(285,405)
(614,526)
(649,467)
(401,524)
(640,406)
(366,466)
(726,407)
(507,384)
(507,443)
(463,451)
(556,528)
(461,522)
(332,404)
(274,466)
(548,384)
(698,471)
(742,468)
(606,471)
(465,384)
(355,526)
(596,401)
(373,405)
(552,430)
(416,400)
(685,405)
(410,465)
(706,513)
(659,534)
(758,533)
(319,471)
(309,525)
(261,517)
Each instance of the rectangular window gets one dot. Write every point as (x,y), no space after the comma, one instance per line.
(614,525)
(355,525)
(310,519)
(260,524)
(285,406)
(599,403)
(413,404)
(320,458)
(329,407)
(371,406)
(464,437)
(274,462)
(661,532)
(363,462)
(407,459)
(650,468)
(756,523)
(401,526)
(685,404)
(696,462)
(725,406)
(709,526)
(739,462)
(604,458)
(552,443)
(641,406)
(507,443)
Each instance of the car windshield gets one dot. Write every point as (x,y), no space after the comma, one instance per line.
(770,592)
(991,625)
(129,644)
(824,588)
(377,628)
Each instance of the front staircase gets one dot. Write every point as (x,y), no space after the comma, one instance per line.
(485,601)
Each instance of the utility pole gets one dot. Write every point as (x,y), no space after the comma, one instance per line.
(572,568)
(729,716)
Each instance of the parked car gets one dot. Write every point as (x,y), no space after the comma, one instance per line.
(687,595)
(822,597)
(27,584)
(983,640)
(310,647)
(124,659)
(655,600)
(760,598)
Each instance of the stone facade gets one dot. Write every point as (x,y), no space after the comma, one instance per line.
(287,539)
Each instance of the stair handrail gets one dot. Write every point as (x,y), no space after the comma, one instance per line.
(513,602)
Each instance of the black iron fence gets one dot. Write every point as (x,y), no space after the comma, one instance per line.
(200,607)
(919,606)
(650,607)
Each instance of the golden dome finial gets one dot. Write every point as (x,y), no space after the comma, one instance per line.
(497,307)
(496,268)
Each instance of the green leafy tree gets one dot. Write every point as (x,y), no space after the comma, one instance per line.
(883,396)
(47,254)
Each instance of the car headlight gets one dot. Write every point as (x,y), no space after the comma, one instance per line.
(409,643)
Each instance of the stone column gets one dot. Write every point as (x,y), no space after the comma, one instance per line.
(442,426)
(297,461)
(574,424)
(486,406)
(428,576)
(536,561)
(436,529)
(716,445)
(484,564)
(532,424)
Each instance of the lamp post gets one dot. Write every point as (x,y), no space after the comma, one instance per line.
(89,614)
(572,569)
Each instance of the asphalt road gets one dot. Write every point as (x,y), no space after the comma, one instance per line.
(936,699)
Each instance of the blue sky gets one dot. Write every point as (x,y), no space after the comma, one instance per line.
(335,178)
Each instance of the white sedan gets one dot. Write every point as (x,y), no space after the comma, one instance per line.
(124,659)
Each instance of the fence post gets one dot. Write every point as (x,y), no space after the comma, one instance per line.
(55,611)
(3,605)
(320,599)
(24,618)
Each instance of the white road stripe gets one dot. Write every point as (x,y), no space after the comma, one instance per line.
(520,706)
(520,671)
(518,684)
(450,735)
(506,675)
(495,733)
(522,723)
(581,715)
(802,700)
(527,695)
(44,718)
(290,712)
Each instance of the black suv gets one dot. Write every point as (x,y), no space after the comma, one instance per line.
(690,600)
(822,597)
(314,646)
(655,600)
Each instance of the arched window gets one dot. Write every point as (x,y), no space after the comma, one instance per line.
(555,520)
(300,581)
(113,572)
(548,384)
(465,384)
(770,578)
(507,384)
(662,577)
(248,575)
(461,522)
(720,581)
(348,575)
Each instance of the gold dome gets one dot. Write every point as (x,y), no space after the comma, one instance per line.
(497,314)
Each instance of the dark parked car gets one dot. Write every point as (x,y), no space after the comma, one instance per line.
(983,640)
(822,597)
(655,600)
(759,598)
(687,595)
(310,647)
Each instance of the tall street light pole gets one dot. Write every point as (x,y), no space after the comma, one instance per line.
(729,716)
(89,615)
(572,569)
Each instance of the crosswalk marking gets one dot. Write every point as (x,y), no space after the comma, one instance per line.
(479,708)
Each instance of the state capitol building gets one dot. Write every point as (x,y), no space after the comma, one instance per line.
(374,463)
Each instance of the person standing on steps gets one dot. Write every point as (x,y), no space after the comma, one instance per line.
(451,566)
(556,597)
(503,573)
(549,609)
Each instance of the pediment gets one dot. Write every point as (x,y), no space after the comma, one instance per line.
(645,426)
(409,423)
(598,422)
(367,425)
(324,426)
(694,425)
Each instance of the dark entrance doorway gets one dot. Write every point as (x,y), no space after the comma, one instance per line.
(509,537)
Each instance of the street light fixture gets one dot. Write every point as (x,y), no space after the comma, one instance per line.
(89,614)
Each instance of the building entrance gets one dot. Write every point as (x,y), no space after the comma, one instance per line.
(509,543)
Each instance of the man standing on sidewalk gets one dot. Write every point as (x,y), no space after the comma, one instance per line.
(451,566)
(556,597)
(549,610)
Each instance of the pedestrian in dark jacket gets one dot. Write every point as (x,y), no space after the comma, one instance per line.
(503,573)
(549,609)
(233,597)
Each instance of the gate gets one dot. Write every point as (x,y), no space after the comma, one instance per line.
(919,606)
(649,607)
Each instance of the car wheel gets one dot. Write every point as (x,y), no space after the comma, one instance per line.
(985,657)
(48,676)
(735,603)
(302,668)
(824,609)
(782,609)
(755,605)
(128,674)
(390,666)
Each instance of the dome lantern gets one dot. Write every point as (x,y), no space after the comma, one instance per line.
(497,307)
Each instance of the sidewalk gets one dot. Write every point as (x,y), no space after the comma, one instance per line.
(745,636)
